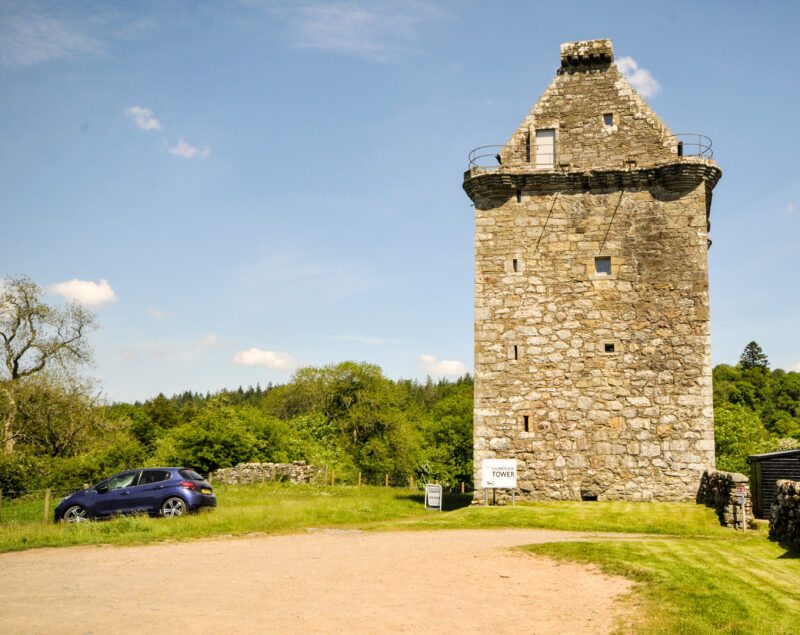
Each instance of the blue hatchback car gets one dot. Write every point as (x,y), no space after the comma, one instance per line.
(164,491)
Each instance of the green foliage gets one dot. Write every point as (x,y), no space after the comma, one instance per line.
(755,410)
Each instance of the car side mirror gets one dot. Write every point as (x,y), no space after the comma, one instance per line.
(102,490)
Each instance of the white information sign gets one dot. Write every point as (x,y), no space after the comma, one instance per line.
(499,474)
(433,496)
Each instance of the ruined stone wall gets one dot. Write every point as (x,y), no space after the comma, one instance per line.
(718,490)
(245,473)
(784,522)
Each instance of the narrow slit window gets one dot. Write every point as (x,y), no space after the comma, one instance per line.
(516,352)
(602,265)
(608,347)
(515,264)
(608,119)
(526,423)
(519,196)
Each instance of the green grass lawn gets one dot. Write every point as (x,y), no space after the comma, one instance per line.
(694,576)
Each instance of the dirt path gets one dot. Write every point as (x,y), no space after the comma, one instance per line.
(461,581)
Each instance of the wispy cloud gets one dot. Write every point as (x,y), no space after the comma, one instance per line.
(30,35)
(209,340)
(640,78)
(159,315)
(443,368)
(143,117)
(95,295)
(371,341)
(795,368)
(789,208)
(187,151)
(269,359)
(377,31)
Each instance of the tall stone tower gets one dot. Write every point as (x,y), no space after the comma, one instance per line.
(592,344)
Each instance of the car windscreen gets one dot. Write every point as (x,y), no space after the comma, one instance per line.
(190,474)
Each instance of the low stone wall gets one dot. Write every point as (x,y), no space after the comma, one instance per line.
(718,490)
(245,473)
(784,522)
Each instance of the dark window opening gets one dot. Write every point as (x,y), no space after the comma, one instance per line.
(602,265)
(608,119)
(516,352)
(515,264)
(519,196)
(526,423)
(609,348)
(588,497)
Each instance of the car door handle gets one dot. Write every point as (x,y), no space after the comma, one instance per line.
(124,493)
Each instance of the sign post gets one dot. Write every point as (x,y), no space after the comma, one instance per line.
(741,500)
(433,496)
(499,474)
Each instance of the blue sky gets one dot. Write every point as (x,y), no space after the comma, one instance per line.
(240,188)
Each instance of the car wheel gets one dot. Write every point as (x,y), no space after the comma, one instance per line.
(173,507)
(75,514)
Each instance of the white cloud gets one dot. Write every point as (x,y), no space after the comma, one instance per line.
(370,30)
(640,78)
(143,117)
(269,359)
(29,36)
(209,340)
(159,315)
(95,295)
(446,367)
(795,368)
(186,151)
(788,208)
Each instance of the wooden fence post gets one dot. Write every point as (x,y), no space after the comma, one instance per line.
(210,478)
(333,476)
(46,505)
(359,479)
(387,480)
(462,487)
(411,485)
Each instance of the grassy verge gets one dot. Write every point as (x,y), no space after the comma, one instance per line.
(692,585)
(270,507)
(677,519)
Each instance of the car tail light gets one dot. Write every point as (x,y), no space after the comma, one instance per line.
(188,485)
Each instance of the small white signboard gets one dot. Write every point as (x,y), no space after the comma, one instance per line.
(433,496)
(499,474)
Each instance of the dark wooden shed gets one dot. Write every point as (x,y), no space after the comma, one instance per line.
(765,469)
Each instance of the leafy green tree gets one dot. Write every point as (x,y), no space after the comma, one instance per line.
(34,337)
(738,433)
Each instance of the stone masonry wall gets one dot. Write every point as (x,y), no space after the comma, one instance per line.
(784,523)
(245,473)
(718,490)
(599,384)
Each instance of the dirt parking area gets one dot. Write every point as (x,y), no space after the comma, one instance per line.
(324,581)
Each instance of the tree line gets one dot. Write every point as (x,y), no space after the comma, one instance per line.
(57,432)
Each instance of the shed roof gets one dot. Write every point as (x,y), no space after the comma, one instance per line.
(774,455)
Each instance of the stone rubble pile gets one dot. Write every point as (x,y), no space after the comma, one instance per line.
(784,522)
(246,473)
(718,490)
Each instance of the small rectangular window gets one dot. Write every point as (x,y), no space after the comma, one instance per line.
(519,196)
(516,352)
(608,347)
(602,265)
(515,264)
(526,423)
(608,119)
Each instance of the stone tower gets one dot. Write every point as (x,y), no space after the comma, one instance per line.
(592,344)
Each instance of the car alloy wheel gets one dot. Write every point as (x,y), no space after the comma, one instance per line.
(75,514)
(173,507)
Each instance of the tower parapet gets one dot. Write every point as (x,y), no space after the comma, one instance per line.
(592,345)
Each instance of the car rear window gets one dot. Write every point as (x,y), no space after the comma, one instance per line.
(154,476)
(191,474)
